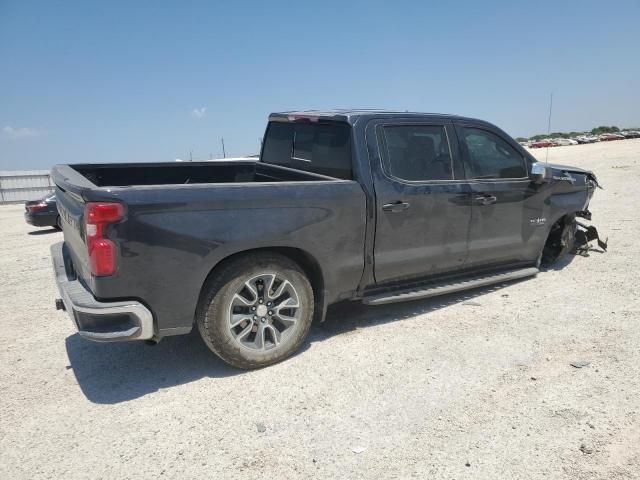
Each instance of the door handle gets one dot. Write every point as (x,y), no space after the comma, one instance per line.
(398,206)
(486,199)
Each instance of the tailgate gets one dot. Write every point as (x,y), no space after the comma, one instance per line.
(71,210)
(71,187)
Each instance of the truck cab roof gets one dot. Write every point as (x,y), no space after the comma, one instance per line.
(353,115)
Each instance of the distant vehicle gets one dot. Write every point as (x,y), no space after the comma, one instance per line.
(543,144)
(43,212)
(255,158)
(630,134)
(563,142)
(607,137)
(587,139)
(374,206)
(227,159)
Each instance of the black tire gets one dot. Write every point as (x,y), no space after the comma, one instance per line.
(561,241)
(212,314)
(58,225)
(568,239)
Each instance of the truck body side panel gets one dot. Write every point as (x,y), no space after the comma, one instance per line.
(174,236)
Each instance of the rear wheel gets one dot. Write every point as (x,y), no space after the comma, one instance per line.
(58,225)
(256,310)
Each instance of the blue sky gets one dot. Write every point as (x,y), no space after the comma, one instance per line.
(89,81)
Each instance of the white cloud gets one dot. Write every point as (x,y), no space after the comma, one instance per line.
(199,112)
(22,132)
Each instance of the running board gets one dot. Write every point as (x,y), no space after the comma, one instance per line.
(434,290)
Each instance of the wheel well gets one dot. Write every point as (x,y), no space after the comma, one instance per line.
(305,261)
(554,246)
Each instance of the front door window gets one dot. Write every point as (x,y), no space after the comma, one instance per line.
(491,157)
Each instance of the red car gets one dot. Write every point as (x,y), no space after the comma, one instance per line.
(543,144)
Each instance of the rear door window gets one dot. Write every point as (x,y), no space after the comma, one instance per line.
(323,148)
(418,152)
(489,156)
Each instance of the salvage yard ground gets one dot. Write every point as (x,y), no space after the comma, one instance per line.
(477,385)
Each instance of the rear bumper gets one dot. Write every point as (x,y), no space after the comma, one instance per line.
(95,320)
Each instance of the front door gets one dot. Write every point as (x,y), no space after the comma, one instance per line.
(506,209)
(422,201)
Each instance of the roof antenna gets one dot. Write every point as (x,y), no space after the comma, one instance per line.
(549,126)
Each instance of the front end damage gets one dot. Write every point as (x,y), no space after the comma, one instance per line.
(568,235)
(586,234)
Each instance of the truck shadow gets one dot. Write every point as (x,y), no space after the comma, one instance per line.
(117,372)
(43,232)
(347,317)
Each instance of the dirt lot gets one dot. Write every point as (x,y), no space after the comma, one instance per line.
(467,386)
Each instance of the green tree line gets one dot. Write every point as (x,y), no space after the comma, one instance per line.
(594,131)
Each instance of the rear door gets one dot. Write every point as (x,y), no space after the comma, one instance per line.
(422,199)
(506,207)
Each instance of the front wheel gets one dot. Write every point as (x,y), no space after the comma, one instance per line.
(256,310)
(560,242)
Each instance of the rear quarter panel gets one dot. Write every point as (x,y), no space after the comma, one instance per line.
(174,236)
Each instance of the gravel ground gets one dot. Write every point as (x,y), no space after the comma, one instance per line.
(477,385)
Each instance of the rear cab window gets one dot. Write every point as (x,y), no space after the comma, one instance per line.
(323,148)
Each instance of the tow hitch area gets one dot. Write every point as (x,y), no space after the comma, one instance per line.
(586,234)
(60,304)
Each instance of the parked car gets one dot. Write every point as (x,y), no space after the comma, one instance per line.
(543,144)
(563,142)
(373,206)
(226,159)
(42,213)
(587,139)
(607,137)
(630,134)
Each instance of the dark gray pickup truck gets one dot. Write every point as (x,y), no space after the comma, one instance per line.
(374,206)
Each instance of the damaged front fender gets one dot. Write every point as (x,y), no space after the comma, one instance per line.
(570,193)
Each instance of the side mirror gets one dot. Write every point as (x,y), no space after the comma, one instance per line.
(540,173)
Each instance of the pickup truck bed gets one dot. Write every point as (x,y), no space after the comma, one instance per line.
(189,173)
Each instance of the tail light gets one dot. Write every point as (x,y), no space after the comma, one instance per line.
(37,207)
(102,251)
